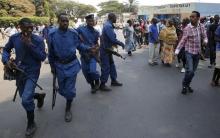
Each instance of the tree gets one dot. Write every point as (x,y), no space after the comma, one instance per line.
(110,6)
(131,6)
(75,10)
(17,8)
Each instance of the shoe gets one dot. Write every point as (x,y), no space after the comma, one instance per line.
(155,63)
(31,125)
(93,89)
(183,70)
(214,84)
(68,113)
(151,63)
(190,90)
(177,65)
(167,65)
(211,66)
(103,87)
(184,91)
(116,83)
(96,84)
(40,99)
(31,129)
(129,53)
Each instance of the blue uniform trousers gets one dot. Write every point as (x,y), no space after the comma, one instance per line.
(67,86)
(107,67)
(89,69)
(26,90)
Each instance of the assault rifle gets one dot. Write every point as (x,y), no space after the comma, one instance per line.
(111,51)
(17,69)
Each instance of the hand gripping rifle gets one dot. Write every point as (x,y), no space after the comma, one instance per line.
(55,89)
(16,68)
(111,51)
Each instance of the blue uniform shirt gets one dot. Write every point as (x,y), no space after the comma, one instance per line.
(154,34)
(62,46)
(89,36)
(108,38)
(28,58)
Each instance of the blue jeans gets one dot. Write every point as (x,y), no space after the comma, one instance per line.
(192,62)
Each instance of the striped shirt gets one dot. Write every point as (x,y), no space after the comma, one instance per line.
(192,37)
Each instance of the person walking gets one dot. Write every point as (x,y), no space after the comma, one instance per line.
(108,40)
(62,44)
(129,37)
(30,52)
(154,45)
(216,73)
(89,37)
(169,39)
(193,36)
(211,40)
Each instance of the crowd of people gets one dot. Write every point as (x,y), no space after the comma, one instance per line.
(167,40)
(62,42)
(181,43)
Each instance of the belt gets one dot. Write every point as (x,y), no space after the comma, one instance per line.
(67,60)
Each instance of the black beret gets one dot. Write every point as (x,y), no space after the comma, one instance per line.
(90,16)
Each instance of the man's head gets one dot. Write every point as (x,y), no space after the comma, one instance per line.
(154,21)
(194,17)
(170,23)
(51,21)
(90,21)
(63,21)
(26,26)
(216,18)
(185,22)
(112,17)
(163,21)
(130,22)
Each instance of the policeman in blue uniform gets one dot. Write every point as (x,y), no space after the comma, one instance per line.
(63,43)
(30,52)
(89,37)
(108,39)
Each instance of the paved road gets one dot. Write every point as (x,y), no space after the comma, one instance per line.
(149,105)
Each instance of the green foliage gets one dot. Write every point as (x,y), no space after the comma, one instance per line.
(5,21)
(110,6)
(116,7)
(75,10)
(17,8)
(3,13)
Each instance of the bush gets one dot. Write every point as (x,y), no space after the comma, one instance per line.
(5,21)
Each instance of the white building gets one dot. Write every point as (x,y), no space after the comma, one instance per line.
(179,10)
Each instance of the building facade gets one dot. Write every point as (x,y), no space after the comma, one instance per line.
(179,10)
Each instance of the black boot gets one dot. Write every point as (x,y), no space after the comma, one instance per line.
(31,125)
(190,90)
(40,99)
(96,84)
(103,87)
(116,83)
(184,91)
(93,89)
(68,113)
